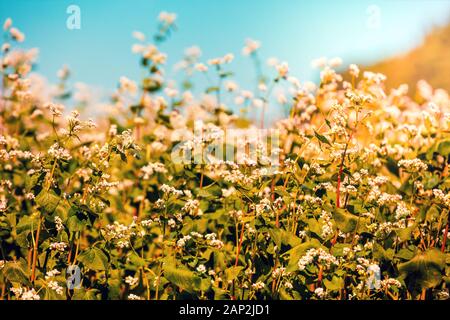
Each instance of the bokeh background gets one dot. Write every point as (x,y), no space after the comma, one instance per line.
(406,39)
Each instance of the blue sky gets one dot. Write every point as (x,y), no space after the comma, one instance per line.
(296,31)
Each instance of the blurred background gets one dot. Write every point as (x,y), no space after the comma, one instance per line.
(406,39)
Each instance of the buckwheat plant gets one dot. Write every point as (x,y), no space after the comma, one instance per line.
(354,178)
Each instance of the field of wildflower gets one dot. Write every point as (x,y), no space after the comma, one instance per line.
(171,195)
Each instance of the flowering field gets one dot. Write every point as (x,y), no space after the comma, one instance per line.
(170,195)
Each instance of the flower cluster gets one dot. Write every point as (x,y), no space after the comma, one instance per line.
(348,197)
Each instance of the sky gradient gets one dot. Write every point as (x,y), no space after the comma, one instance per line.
(292,30)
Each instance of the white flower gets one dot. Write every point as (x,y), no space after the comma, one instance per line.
(250,46)
(335,62)
(282,69)
(58,246)
(228,192)
(193,52)
(401,211)
(319,62)
(182,242)
(443,295)
(171,223)
(201,268)
(7,24)
(23,294)
(390,283)
(133,297)
(231,86)
(3,205)
(272,62)
(170,92)
(131,280)
(278,272)
(171,190)
(59,223)
(288,285)
(29,196)
(228,57)
(51,274)
(17,35)
(55,109)
(148,170)
(59,152)
(320,293)
(414,165)
(192,207)
(320,255)
(138,35)
(201,67)
(167,17)
(386,199)
(258,285)
(440,196)
(127,85)
(353,70)
(56,287)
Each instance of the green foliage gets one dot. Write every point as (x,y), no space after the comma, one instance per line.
(359,181)
(94,258)
(424,270)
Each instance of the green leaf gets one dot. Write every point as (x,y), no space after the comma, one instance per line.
(392,166)
(432,214)
(220,294)
(314,226)
(338,249)
(136,260)
(424,270)
(47,200)
(405,233)
(226,74)
(444,148)
(280,236)
(74,224)
(114,285)
(284,295)
(211,89)
(380,254)
(205,284)
(50,294)
(431,180)
(27,224)
(405,254)
(336,283)
(347,222)
(233,272)
(94,258)
(321,138)
(298,251)
(182,278)
(86,294)
(17,271)
(219,259)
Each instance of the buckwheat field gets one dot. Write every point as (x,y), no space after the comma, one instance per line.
(169,194)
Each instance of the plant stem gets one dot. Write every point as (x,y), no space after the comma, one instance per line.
(201,180)
(35,249)
(444,241)
(239,245)
(341,169)
(77,248)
